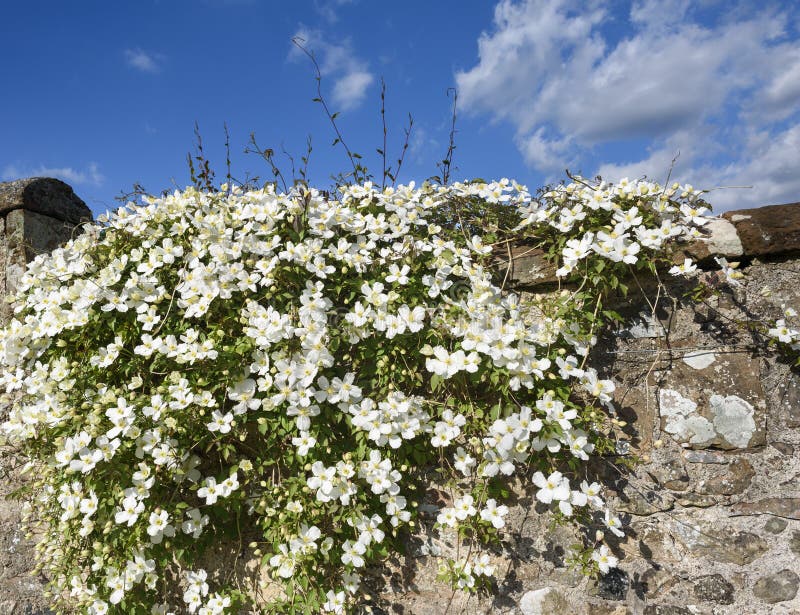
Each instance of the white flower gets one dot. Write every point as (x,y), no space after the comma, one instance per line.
(605,561)
(687,267)
(195,523)
(445,364)
(131,509)
(351,581)
(464,507)
(396,274)
(447,516)
(494,514)
(159,527)
(352,553)
(463,461)
(210,490)
(284,562)
(482,567)
(729,269)
(220,422)
(783,333)
(613,523)
(554,487)
(335,602)
(304,443)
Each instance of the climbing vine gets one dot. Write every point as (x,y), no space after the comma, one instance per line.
(290,371)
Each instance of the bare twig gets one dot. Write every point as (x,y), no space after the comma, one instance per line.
(382,152)
(357,168)
(228,176)
(403,152)
(268,155)
(446,165)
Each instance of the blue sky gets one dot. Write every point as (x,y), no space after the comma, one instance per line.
(106,94)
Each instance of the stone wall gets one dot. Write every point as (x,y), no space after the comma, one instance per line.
(36,215)
(713,506)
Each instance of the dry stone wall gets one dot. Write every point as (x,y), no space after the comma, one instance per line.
(710,412)
(36,215)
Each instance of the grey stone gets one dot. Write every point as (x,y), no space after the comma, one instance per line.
(642,327)
(721,239)
(523,266)
(713,588)
(699,359)
(791,401)
(794,543)
(778,587)
(788,508)
(705,456)
(604,608)
(734,478)
(44,195)
(733,419)
(682,420)
(783,448)
(613,585)
(671,474)
(724,240)
(543,602)
(776,525)
(36,233)
(695,500)
(774,229)
(666,609)
(721,406)
(642,503)
(720,545)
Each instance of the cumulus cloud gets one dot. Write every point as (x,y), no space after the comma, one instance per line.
(89,176)
(767,172)
(555,71)
(142,60)
(329,9)
(351,75)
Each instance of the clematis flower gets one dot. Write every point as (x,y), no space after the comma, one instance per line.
(554,487)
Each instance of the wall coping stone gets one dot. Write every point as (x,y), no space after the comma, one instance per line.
(46,196)
(771,231)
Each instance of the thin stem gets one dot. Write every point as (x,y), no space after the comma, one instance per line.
(298,42)
(447,163)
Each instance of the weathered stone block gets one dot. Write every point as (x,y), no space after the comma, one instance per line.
(522,266)
(788,507)
(775,525)
(719,544)
(721,405)
(778,587)
(713,588)
(774,229)
(721,240)
(729,480)
(543,601)
(46,196)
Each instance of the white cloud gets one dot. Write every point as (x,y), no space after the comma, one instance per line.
(675,156)
(350,74)
(546,153)
(350,89)
(328,9)
(769,163)
(89,176)
(550,68)
(143,61)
